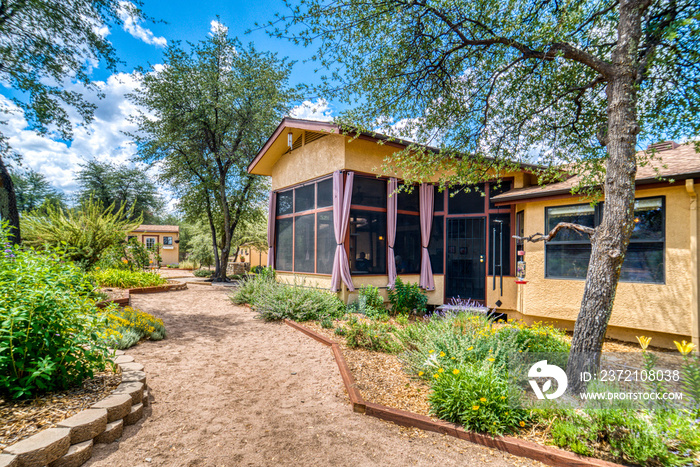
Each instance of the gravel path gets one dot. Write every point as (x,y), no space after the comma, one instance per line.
(229,389)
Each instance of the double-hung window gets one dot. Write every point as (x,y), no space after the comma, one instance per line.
(567,255)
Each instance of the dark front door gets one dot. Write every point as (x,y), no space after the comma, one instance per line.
(466,258)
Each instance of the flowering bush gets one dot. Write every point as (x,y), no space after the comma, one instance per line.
(371,336)
(125,327)
(47,323)
(476,396)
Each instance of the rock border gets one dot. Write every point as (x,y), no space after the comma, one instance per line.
(71,442)
(518,447)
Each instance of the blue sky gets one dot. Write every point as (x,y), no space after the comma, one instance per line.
(139,44)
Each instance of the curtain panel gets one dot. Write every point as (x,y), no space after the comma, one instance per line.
(426,223)
(271,229)
(341,219)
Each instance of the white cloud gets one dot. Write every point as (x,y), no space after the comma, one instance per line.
(307,110)
(103,139)
(132,26)
(217,27)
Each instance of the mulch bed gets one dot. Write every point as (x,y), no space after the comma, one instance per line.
(381,379)
(22,419)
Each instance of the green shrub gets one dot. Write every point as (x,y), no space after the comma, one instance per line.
(47,324)
(369,303)
(124,279)
(126,326)
(203,273)
(326,323)
(84,234)
(189,264)
(407,298)
(371,336)
(126,254)
(476,396)
(570,435)
(274,301)
(340,331)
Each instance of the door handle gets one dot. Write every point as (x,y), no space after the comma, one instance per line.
(481,258)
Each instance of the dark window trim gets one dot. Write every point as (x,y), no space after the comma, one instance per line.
(598,215)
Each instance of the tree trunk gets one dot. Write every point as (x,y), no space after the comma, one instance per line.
(610,239)
(8,204)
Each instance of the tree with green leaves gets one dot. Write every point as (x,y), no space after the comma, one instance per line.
(32,190)
(121,186)
(578,83)
(44,44)
(207,112)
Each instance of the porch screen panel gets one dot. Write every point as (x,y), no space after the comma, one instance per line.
(304,250)
(407,244)
(304,198)
(460,201)
(285,202)
(370,192)
(284,259)
(437,245)
(324,196)
(325,242)
(367,242)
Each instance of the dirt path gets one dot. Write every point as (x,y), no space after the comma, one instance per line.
(231,390)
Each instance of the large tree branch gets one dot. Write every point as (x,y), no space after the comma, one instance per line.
(548,53)
(538,237)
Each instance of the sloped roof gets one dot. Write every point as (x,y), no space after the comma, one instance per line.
(157,228)
(678,163)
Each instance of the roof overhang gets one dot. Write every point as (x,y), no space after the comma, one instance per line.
(276,145)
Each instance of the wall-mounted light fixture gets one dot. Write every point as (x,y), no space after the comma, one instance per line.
(290,140)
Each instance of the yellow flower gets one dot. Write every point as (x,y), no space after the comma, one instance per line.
(684,348)
(522,423)
(483,399)
(503,398)
(491,359)
(644,341)
(442,354)
(436,376)
(471,348)
(441,370)
(420,373)
(453,358)
(507,413)
(431,351)
(455,371)
(475,407)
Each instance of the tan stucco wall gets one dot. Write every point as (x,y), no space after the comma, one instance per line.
(313,160)
(170,256)
(254,256)
(641,307)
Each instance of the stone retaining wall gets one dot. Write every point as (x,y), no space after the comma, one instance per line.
(70,443)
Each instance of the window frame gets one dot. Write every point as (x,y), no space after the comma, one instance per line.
(597,217)
(170,243)
(294,214)
(362,207)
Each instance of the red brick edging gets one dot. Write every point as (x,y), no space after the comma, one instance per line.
(71,442)
(519,447)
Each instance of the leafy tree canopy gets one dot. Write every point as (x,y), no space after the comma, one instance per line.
(511,81)
(123,187)
(32,190)
(207,113)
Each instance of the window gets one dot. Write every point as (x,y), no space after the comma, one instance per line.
(461,201)
(150,243)
(325,242)
(367,242)
(167,241)
(304,255)
(305,241)
(370,192)
(568,254)
(407,245)
(436,247)
(130,237)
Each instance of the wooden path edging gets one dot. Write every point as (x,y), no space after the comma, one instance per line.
(159,288)
(518,447)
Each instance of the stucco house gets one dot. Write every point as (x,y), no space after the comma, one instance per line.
(167,237)
(333,221)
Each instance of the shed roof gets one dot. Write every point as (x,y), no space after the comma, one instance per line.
(680,162)
(157,228)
